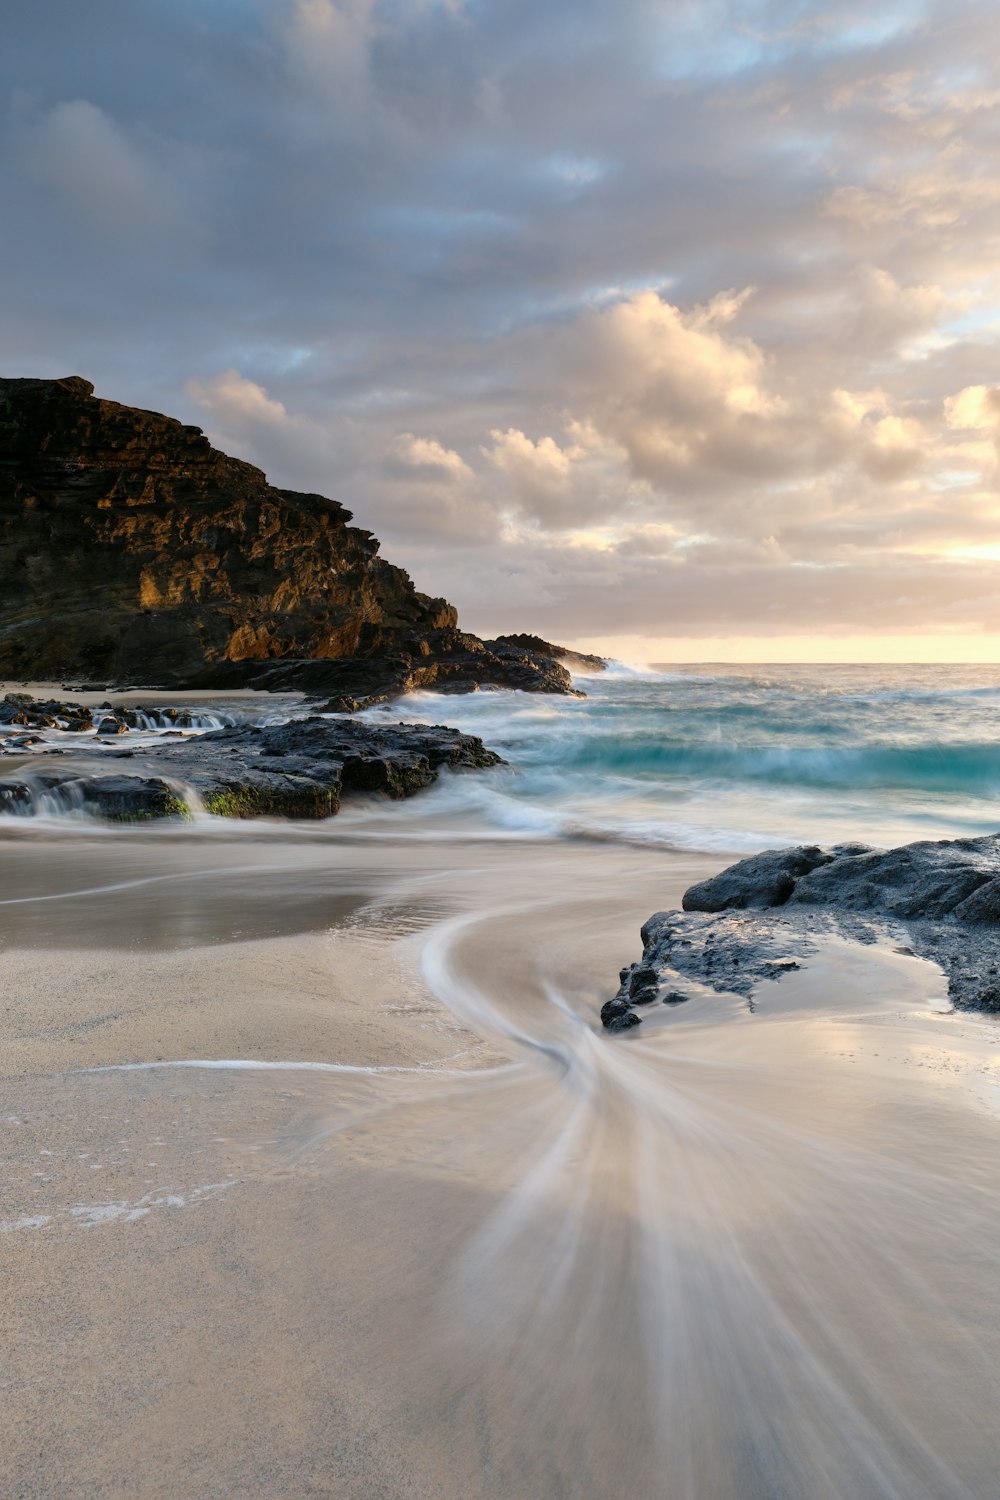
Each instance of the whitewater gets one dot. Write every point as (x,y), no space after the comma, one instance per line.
(741,758)
(320,1176)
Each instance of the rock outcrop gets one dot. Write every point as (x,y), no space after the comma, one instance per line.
(444,661)
(578,661)
(760,917)
(133,552)
(301,769)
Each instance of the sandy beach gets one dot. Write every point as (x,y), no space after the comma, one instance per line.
(320,1179)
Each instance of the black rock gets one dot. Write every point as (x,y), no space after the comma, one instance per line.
(759,919)
(612,1009)
(624,1021)
(232,772)
(578,660)
(766,879)
(446,660)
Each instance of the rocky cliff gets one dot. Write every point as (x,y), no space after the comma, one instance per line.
(131,550)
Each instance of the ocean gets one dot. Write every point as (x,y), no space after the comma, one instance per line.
(712,759)
(729,759)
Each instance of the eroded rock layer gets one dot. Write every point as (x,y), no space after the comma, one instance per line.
(131,550)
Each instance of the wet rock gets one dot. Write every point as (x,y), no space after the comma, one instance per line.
(133,799)
(642,978)
(442,661)
(617,1016)
(623,1022)
(296,770)
(983,905)
(112,726)
(760,918)
(15,797)
(120,799)
(578,661)
(766,879)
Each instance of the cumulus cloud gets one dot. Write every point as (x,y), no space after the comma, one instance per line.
(426,459)
(977,406)
(229,398)
(539,470)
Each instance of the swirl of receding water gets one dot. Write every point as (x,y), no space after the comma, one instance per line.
(747,1293)
(731,1256)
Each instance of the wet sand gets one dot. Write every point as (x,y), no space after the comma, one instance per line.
(461,1243)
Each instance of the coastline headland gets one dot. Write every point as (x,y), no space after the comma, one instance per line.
(133,553)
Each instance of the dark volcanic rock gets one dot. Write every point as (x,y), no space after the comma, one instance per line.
(760,918)
(295,770)
(132,551)
(121,799)
(767,879)
(442,660)
(578,660)
(918,880)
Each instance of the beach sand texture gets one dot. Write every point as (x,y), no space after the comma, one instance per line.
(459,1243)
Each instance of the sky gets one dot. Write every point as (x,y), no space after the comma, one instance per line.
(665,329)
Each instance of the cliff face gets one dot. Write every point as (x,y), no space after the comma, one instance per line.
(132,550)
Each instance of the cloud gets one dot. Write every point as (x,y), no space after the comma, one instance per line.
(231,399)
(977,406)
(725,352)
(329,47)
(539,470)
(425,459)
(102,176)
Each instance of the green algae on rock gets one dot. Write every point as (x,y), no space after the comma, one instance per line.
(300,770)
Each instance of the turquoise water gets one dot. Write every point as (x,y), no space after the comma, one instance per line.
(735,758)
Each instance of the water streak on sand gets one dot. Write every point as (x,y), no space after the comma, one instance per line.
(256,1065)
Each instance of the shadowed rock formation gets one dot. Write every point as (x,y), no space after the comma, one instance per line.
(579,661)
(295,770)
(444,661)
(133,552)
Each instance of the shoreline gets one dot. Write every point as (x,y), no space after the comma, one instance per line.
(321,1179)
